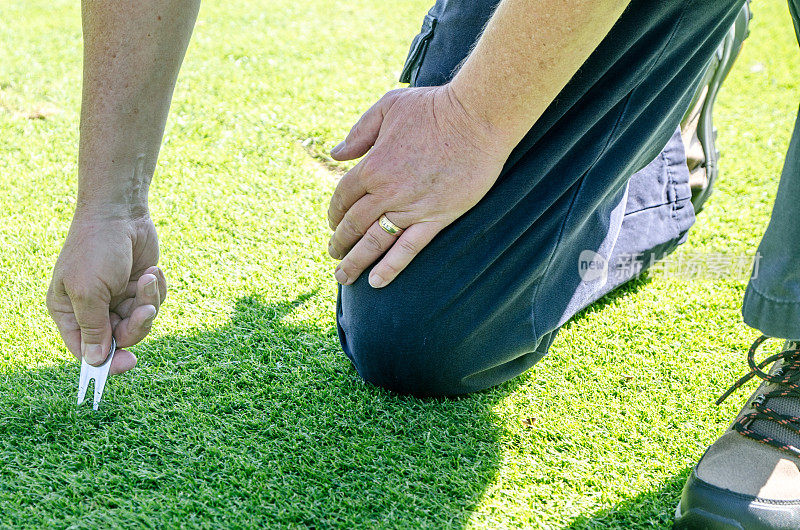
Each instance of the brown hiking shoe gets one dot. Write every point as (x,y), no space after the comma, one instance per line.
(750,477)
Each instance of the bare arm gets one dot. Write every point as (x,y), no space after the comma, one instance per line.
(452,141)
(528,52)
(106,276)
(132,53)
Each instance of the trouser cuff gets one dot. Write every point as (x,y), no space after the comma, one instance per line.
(774,318)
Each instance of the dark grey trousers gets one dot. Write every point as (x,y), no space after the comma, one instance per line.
(772,300)
(482,303)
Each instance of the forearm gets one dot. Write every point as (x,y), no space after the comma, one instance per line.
(133,50)
(528,52)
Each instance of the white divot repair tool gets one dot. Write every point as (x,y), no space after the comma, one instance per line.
(98,373)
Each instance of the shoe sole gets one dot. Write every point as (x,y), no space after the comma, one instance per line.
(698,519)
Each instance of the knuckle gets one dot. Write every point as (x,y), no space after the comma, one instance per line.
(388,270)
(372,243)
(370,166)
(80,291)
(349,228)
(50,299)
(355,132)
(333,203)
(336,209)
(91,331)
(393,94)
(397,190)
(408,246)
(337,205)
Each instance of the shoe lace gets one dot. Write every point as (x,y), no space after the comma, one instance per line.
(788,380)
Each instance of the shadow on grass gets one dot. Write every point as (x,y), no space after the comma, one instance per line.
(262,422)
(652,509)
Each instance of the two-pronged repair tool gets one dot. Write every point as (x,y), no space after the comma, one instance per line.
(98,373)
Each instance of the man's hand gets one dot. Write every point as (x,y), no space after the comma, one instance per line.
(435,152)
(429,162)
(106,281)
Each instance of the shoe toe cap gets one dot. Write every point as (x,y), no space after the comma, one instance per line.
(704,505)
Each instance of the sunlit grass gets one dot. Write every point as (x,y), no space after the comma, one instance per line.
(243,411)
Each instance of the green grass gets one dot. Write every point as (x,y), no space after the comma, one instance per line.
(243,411)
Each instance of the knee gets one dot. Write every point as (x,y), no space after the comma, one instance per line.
(414,340)
(394,345)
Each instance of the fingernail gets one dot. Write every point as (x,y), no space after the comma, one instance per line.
(151,316)
(151,289)
(341,277)
(93,353)
(338,148)
(376,281)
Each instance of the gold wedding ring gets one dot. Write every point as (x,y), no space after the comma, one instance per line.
(389,226)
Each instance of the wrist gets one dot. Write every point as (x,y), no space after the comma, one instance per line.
(99,203)
(116,190)
(110,206)
(490,135)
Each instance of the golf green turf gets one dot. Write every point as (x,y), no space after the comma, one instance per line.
(242,410)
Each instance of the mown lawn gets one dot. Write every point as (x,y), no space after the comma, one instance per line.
(242,410)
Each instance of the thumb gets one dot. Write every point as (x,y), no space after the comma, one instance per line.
(365,132)
(93,318)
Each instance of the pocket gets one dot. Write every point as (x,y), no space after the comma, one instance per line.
(419,46)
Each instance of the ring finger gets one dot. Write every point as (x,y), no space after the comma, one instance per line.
(375,242)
